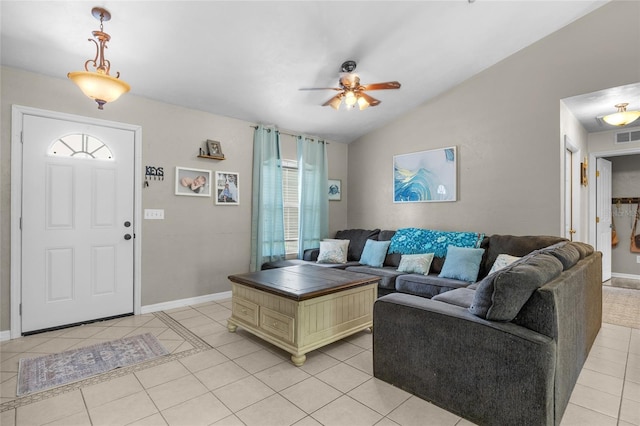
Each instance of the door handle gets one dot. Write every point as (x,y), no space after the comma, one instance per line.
(127,237)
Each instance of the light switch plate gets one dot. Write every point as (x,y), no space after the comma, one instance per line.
(154,214)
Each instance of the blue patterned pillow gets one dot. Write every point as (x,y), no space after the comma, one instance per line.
(374,253)
(462,263)
(415,263)
(417,241)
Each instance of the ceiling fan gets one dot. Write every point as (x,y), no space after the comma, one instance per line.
(352,92)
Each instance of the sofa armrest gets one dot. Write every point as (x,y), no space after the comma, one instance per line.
(485,371)
(311,254)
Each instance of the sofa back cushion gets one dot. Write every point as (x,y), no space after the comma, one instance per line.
(501,295)
(392,259)
(357,239)
(513,245)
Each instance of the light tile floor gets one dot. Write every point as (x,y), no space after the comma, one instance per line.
(236,379)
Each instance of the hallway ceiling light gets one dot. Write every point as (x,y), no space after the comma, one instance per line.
(622,117)
(98,84)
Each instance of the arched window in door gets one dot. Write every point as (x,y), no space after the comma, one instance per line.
(80,146)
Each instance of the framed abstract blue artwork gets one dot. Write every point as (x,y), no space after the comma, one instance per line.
(425,176)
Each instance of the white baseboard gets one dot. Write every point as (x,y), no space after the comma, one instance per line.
(185,302)
(627,276)
(5,335)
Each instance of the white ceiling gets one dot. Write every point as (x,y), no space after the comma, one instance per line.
(247,60)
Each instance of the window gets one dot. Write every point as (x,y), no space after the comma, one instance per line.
(80,146)
(290,201)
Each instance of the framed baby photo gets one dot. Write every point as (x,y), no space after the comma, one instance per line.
(227,188)
(193,182)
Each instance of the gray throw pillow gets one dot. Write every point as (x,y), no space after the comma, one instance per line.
(500,296)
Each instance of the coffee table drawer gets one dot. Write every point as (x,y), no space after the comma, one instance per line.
(245,311)
(277,324)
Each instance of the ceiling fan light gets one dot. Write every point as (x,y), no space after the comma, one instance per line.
(350,98)
(622,117)
(335,102)
(362,103)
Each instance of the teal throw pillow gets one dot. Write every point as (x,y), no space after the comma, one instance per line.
(415,263)
(462,263)
(374,253)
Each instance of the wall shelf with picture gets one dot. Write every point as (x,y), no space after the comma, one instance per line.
(212,151)
(212,157)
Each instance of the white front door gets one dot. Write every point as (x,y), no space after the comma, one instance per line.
(77,222)
(603,214)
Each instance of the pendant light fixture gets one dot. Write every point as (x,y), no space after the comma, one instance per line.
(622,117)
(99,85)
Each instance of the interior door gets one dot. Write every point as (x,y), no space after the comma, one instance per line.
(603,214)
(77,222)
(569,229)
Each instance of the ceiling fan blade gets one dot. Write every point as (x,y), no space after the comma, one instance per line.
(320,88)
(381,86)
(334,102)
(370,100)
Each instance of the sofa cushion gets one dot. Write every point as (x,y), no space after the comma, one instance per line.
(357,239)
(387,274)
(567,254)
(583,248)
(374,253)
(459,297)
(462,263)
(344,244)
(501,295)
(332,252)
(426,285)
(415,263)
(515,245)
(502,261)
(392,259)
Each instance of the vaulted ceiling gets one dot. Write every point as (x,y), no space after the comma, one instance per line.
(248,60)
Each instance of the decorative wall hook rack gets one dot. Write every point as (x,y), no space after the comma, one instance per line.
(153,173)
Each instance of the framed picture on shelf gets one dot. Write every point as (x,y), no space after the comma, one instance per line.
(426,176)
(227,188)
(335,190)
(214,148)
(193,182)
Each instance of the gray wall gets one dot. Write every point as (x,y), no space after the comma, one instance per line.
(625,182)
(505,123)
(199,244)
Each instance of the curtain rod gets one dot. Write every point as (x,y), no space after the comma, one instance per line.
(288,134)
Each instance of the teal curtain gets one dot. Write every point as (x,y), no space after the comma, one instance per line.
(314,199)
(267,217)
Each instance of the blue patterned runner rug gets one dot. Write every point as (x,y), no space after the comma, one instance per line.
(45,372)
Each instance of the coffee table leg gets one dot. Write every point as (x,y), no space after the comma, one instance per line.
(231,327)
(298,360)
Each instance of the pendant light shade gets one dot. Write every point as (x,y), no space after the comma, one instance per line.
(99,85)
(622,117)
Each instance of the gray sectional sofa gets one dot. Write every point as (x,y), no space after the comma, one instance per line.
(504,350)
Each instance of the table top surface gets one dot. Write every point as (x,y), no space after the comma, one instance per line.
(303,281)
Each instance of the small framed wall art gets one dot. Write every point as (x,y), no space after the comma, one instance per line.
(227,188)
(193,182)
(214,148)
(335,190)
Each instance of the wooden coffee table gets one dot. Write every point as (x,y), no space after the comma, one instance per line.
(302,308)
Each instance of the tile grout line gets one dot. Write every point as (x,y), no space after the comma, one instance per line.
(199,346)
